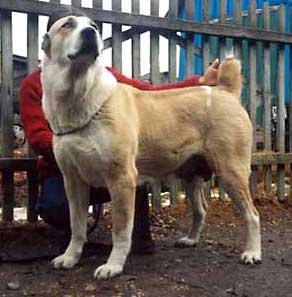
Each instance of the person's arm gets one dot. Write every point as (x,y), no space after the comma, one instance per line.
(209,78)
(130,81)
(35,126)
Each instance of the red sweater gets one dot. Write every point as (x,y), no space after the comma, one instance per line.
(36,127)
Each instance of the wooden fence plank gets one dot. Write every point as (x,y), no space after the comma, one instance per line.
(136,44)
(155,79)
(189,56)
(237,21)
(32,42)
(271,158)
(222,19)
(174,187)
(8,196)
(97,4)
(281,109)
(205,63)
(128,34)
(155,198)
(173,14)
(206,44)
(33,193)
(117,41)
(152,22)
(154,47)
(290,108)
(222,52)
(32,64)
(26,164)
(267,101)
(252,71)
(252,89)
(76,3)
(174,191)
(7,114)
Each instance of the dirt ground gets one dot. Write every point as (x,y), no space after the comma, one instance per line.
(211,269)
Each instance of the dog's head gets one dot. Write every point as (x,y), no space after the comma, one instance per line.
(73,39)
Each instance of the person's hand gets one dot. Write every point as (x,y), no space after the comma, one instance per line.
(210,76)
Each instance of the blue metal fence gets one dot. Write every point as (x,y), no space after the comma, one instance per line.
(214,13)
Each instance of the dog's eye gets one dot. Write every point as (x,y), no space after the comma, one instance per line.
(67,25)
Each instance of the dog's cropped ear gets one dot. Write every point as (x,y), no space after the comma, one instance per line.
(46,45)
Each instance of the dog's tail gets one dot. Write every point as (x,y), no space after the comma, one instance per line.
(229,74)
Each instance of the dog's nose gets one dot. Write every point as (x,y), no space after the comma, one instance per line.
(88,33)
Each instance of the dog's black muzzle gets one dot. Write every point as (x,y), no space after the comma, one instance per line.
(89,46)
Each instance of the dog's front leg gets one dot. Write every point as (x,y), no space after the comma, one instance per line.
(122,192)
(78,196)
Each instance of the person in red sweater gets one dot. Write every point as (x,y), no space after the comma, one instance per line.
(52,204)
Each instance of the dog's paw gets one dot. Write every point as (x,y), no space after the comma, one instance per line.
(185,242)
(65,262)
(107,271)
(251,257)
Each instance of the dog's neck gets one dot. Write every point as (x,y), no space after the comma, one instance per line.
(72,95)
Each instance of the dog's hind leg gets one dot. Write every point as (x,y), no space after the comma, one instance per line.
(78,197)
(195,193)
(235,179)
(122,190)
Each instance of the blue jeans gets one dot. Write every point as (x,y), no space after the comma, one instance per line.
(52,205)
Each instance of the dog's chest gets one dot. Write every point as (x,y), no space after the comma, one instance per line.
(84,156)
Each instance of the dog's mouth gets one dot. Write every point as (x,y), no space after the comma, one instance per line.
(88,49)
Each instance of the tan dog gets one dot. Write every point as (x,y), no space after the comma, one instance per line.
(113,135)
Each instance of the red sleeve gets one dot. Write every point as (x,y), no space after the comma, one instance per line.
(192,81)
(130,81)
(189,82)
(35,126)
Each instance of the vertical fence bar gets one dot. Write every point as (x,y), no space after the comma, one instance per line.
(154,47)
(252,89)
(237,20)
(267,101)
(281,109)
(252,71)
(76,3)
(290,106)
(173,13)
(205,39)
(7,114)
(205,64)
(32,42)
(0,78)
(189,62)
(32,64)
(136,45)
(222,51)
(97,4)
(155,198)
(117,39)
(174,188)
(222,19)
(155,79)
